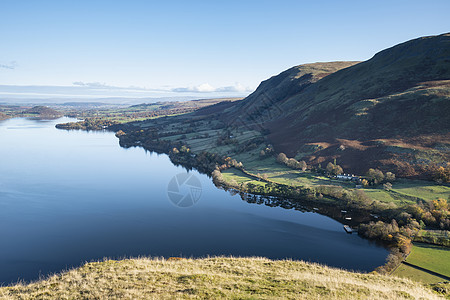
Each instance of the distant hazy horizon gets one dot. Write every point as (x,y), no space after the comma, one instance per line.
(62,94)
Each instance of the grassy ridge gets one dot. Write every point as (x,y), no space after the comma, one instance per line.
(213,278)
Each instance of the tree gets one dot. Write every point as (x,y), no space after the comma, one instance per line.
(389,176)
(330,167)
(364,182)
(442,174)
(292,163)
(262,154)
(120,133)
(387,186)
(303,165)
(282,158)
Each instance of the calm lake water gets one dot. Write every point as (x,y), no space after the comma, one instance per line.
(67,197)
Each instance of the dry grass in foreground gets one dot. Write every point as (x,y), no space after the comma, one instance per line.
(218,277)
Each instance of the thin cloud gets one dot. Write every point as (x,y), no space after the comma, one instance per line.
(104,86)
(11,66)
(95,85)
(207,88)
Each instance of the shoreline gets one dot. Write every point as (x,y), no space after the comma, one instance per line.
(378,221)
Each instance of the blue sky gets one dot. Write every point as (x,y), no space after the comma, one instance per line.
(205,48)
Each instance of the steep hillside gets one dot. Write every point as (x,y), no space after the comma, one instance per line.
(392,111)
(277,89)
(216,278)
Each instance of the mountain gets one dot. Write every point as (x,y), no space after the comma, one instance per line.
(390,112)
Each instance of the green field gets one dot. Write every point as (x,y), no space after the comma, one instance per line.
(237,175)
(421,189)
(430,257)
(405,271)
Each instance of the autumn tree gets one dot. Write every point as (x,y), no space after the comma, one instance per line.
(442,174)
(334,169)
(440,204)
(389,176)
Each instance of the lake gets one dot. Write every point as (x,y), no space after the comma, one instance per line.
(67,197)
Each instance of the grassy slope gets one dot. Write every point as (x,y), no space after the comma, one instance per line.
(231,278)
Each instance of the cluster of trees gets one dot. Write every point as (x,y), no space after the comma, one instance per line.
(204,161)
(334,169)
(229,162)
(441,174)
(376,176)
(217,177)
(397,236)
(88,124)
(291,162)
(434,213)
(437,237)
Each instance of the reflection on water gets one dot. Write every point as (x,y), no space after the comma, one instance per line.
(67,197)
